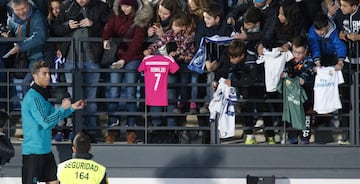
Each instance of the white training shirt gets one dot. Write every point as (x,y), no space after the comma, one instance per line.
(326,91)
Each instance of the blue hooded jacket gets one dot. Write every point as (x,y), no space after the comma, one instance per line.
(328,45)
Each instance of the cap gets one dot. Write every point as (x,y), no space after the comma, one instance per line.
(259,1)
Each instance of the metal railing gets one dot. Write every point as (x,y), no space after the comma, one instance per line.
(78,85)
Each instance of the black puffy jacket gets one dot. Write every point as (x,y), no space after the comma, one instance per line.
(6,149)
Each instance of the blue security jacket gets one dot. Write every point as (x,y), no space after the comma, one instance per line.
(39,116)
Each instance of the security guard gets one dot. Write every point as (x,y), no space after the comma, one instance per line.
(81,169)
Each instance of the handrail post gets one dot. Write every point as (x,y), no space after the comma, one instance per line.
(77,84)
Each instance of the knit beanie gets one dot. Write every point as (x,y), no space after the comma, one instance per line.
(132,3)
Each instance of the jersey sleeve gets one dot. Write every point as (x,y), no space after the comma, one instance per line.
(141,66)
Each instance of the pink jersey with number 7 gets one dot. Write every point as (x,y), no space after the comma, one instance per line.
(156,69)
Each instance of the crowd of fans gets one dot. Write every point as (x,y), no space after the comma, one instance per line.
(317,33)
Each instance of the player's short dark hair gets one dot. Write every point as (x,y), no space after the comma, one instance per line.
(320,21)
(82,142)
(37,65)
(236,48)
(3,118)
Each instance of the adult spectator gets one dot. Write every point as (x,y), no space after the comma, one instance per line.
(81,19)
(128,20)
(165,11)
(26,15)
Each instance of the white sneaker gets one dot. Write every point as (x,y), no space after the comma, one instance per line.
(340,142)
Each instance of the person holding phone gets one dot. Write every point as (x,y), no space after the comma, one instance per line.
(81,19)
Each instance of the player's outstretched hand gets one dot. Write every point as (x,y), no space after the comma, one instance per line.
(80,104)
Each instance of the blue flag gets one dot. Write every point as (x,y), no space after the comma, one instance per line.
(197,63)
